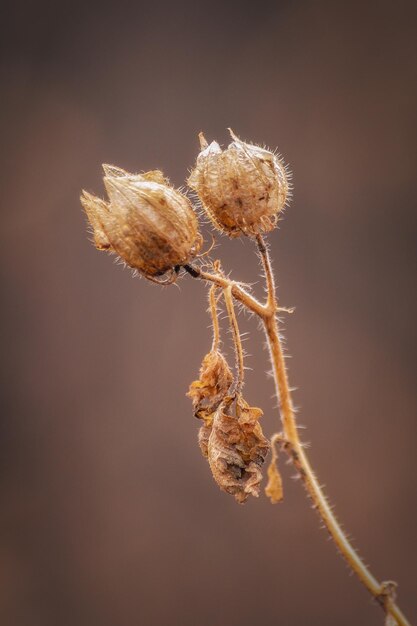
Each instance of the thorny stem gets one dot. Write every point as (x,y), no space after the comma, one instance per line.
(236,338)
(267,312)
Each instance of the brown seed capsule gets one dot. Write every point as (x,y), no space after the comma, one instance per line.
(148,223)
(242,189)
(237,448)
(212,386)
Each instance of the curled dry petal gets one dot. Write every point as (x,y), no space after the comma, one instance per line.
(212,387)
(274,490)
(242,189)
(237,449)
(147,222)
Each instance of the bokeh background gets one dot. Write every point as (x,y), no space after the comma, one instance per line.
(109,514)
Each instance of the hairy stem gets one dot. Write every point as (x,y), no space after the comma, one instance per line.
(382,592)
(236,338)
(271,302)
(222,281)
(299,458)
(214,317)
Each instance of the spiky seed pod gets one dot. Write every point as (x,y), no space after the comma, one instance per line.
(237,448)
(242,189)
(212,387)
(148,223)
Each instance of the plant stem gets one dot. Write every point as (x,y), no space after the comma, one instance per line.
(382,592)
(222,281)
(297,454)
(214,317)
(236,338)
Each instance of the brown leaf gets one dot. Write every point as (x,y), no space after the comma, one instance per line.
(237,449)
(215,379)
(203,437)
(274,490)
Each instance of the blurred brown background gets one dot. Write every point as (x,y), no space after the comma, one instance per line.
(109,514)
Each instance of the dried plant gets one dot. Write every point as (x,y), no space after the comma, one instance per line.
(150,225)
(154,229)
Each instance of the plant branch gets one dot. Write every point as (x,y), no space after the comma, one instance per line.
(222,281)
(214,317)
(296,452)
(271,303)
(267,312)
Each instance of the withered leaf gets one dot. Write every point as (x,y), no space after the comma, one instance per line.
(237,449)
(215,379)
(203,437)
(274,490)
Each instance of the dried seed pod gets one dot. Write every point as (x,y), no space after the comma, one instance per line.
(148,223)
(242,189)
(212,387)
(237,449)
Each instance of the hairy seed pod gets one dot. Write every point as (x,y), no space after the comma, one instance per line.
(211,388)
(237,448)
(147,222)
(242,189)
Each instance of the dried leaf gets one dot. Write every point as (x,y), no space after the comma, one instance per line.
(274,490)
(237,449)
(203,437)
(215,379)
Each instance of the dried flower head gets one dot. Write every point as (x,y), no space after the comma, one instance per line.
(147,222)
(237,448)
(209,391)
(242,189)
